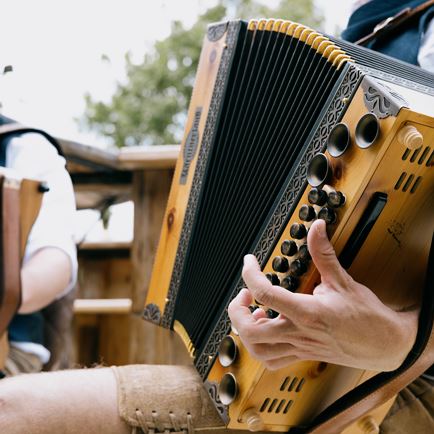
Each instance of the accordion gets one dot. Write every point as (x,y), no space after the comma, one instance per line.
(20,201)
(286,125)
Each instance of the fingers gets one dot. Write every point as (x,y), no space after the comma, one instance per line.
(259,313)
(274,365)
(267,352)
(238,308)
(323,254)
(274,297)
(256,327)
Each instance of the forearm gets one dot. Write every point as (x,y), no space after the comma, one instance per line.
(44,276)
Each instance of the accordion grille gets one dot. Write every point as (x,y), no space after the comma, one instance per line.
(280,78)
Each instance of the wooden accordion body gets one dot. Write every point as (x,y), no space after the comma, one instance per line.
(20,201)
(275,105)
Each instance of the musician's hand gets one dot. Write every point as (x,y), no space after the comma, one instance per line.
(343,322)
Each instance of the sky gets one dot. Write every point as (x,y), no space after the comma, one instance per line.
(56,48)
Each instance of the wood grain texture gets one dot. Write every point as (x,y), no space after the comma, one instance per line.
(401,232)
(150,193)
(179,193)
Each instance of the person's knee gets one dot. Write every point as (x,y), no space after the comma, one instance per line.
(76,400)
(11,400)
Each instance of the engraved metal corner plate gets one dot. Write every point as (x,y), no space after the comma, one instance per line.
(286,202)
(212,389)
(152,313)
(380,99)
(208,135)
(217,30)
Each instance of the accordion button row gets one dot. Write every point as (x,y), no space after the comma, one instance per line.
(322,205)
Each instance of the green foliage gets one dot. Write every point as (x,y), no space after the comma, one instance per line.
(151,107)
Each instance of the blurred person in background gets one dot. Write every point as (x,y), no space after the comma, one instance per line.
(50,264)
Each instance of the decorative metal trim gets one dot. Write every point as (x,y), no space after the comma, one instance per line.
(212,389)
(396,80)
(202,159)
(334,113)
(216,31)
(380,99)
(152,313)
(190,147)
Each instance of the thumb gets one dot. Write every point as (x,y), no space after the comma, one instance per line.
(323,254)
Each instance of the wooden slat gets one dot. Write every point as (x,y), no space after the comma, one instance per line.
(128,158)
(103,306)
(150,192)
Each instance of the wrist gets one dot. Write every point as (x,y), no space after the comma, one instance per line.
(406,331)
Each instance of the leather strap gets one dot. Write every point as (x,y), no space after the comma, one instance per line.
(10,290)
(17,128)
(392,23)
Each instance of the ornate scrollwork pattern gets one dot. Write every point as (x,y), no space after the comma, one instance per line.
(152,313)
(216,31)
(211,388)
(380,99)
(208,134)
(284,209)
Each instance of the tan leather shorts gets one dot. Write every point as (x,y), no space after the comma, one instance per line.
(160,398)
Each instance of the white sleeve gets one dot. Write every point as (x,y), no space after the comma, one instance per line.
(425,56)
(33,156)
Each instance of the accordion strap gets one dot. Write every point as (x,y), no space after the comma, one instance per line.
(17,128)
(392,23)
(385,386)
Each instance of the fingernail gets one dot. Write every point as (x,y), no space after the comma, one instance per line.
(322,229)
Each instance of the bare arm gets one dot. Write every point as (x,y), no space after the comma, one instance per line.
(343,322)
(44,276)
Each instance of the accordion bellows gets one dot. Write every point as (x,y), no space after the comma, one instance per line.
(286,125)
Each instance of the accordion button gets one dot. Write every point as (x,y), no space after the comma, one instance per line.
(228,389)
(289,248)
(298,231)
(280,264)
(227,352)
(290,283)
(317,197)
(327,214)
(272,313)
(307,213)
(335,199)
(297,268)
(272,277)
(303,253)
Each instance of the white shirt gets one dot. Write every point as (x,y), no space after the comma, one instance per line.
(425,56)
(32,156)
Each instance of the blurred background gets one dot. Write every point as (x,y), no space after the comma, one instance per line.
(112,74)
(120,73)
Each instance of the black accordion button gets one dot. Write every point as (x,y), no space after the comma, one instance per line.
(297,268)
(317,197)
(298,231)
(335,199)
(327,214)
(272,313)
(280,264)
(303,253)
(273,278)
(289,248)
(290,283)
(307,213)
